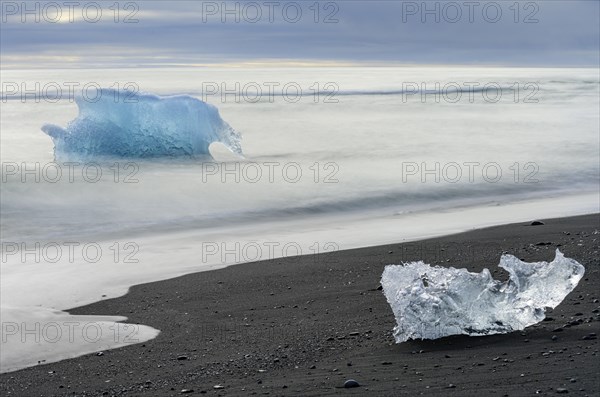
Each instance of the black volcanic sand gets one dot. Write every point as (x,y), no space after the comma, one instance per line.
(304,325)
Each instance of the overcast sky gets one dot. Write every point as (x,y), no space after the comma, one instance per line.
(531,33)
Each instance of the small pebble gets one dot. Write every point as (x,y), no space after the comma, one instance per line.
(350,383)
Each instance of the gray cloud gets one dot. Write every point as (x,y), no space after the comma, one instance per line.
(192,32)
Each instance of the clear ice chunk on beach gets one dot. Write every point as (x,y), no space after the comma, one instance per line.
(125,124)
(431,302)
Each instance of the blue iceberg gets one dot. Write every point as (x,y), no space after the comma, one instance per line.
(125,124)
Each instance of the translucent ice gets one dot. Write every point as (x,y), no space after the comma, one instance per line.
(433,302)
(126,124)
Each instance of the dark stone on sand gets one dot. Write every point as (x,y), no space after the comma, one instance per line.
(537,223)
(562,390)
(187,391)
(181,358)
(350,383)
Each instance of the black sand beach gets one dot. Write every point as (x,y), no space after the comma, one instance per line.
(303,326)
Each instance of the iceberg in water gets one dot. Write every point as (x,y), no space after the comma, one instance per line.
(431,302)
(125,124)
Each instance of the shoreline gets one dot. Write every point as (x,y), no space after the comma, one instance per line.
(65,285)
(263,326)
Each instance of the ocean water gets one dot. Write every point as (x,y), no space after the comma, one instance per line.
(363,156)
